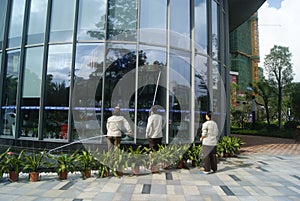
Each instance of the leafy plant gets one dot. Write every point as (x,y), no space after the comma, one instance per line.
(14,161)
(35,161)
(194,153)
(86,162)
(65,162)
(2,163)
(136,157)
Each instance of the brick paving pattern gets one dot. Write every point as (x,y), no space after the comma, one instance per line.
(269,145)
(266,170)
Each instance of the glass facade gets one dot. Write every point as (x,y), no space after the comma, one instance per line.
(66,64)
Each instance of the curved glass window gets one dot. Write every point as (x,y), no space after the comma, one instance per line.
(30,102)
(180,93)
(215,31)
(201,26)
(37,21)
(11,80)
(180,24)
(201,92)
(87,91)
(122,20)
(62,20)
(119,80)
(57,91)
(153,21)
(152,85)
(16,23)
(3,5)
(91,22)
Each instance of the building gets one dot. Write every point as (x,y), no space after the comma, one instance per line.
(244,53)
(66,64)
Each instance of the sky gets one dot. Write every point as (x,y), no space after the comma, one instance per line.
(278,25)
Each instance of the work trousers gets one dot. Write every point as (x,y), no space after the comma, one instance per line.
(210,158)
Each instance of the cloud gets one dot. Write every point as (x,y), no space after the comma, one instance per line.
(280,27)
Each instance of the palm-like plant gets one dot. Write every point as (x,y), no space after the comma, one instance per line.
(34,162)
(2,162)
(86,162)
(65,163)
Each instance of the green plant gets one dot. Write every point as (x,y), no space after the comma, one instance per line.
(136,158)
(194,153)
(14,161)
(35,161)
(105,163)
(86,162)
(229,145)
(2,162)
(119,161)
(65,162)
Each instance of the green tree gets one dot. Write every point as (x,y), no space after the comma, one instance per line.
(280,72)
(266,92)
(295,100)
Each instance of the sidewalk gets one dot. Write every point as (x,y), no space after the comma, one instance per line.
(259,176)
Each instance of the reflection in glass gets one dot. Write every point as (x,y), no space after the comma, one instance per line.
(215,31)
(216,85)
(3,5)
(57,91)
(91,22)
(119,81)
(180,84)
(30,102)
(200,26)
(87,93)
(153,21)
(8,108)
(122,20)
(152,76)
(37,21)
(201,92)
(180,24)
(62,20)
(16,23)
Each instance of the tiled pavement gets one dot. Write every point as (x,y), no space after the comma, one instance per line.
(246,177)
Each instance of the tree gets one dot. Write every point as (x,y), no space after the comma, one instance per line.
(295,100)
(280,72)
(265,91)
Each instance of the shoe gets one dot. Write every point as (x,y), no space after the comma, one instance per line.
(201,168)
(204,172)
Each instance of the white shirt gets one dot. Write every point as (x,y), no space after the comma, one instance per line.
(116,125)
(154,126)
(210,133)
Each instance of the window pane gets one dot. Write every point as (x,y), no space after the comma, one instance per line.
(119,81)
(30,104)
(180,84)
(122,20)
(201,92)
(87,93)
(200,26)
(152,76)
(37,21)
(16,23)
(62,20)
(180,24)
(57,91)
(153,26)
(8,108)
(3,5)
(91,23)
(215,31)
